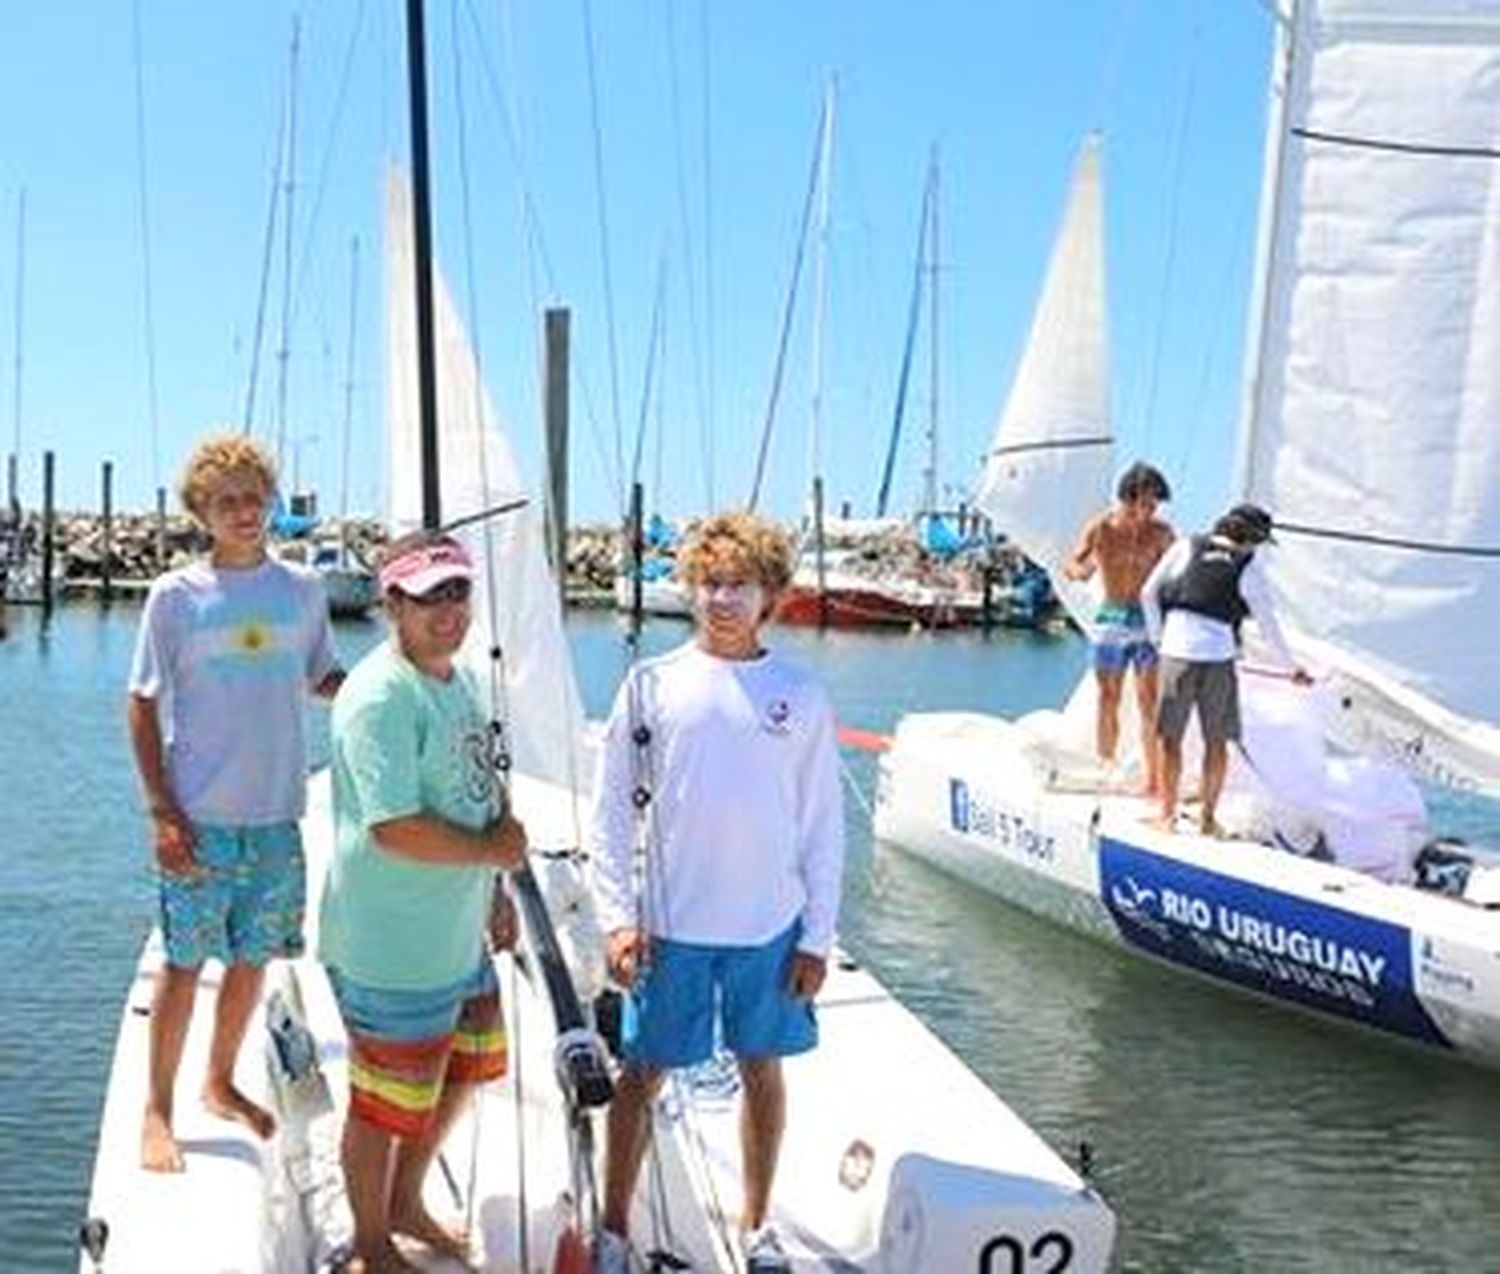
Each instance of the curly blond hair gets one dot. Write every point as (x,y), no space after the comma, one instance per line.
(740,543)
(214,459)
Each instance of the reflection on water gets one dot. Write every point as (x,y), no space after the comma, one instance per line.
(1229,1135)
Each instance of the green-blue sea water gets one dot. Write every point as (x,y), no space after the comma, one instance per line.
(1228,1134)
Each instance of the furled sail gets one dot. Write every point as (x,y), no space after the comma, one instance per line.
(1050,464)
(479,475)
(1373,421)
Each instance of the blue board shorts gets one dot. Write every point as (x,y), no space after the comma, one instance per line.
(1120,639)
(689,989)
(248,905)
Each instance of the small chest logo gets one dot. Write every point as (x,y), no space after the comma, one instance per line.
(777,718)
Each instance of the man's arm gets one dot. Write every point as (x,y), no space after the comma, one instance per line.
(612,840)
(1257,596)
(426,838)
(1082,563)
(821,832)
(172,833)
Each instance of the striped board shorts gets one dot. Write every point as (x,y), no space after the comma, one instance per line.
(406,1045)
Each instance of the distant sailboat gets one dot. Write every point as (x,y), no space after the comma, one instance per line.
(1374,389)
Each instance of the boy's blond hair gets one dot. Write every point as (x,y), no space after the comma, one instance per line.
(214,459)
(737,542)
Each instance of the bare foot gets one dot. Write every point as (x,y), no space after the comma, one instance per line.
(1161,822)
(159,1149)
(1212,828)
(419,1224)
(227,1102)
(386,1259)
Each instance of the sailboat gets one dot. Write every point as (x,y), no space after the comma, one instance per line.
(947,1177)
(1373,391)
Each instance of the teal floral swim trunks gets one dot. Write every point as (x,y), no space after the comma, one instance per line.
(247,905)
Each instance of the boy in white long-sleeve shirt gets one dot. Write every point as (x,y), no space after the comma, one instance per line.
(1194,601)
(728,753)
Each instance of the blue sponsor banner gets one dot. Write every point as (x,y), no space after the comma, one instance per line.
(1274,943)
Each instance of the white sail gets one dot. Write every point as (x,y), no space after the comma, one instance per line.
(1373,422)
(1050,464)
(479,474)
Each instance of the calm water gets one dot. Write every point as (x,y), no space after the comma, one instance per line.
(1228,1135)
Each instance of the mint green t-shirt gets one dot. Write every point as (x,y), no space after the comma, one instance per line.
(405,743)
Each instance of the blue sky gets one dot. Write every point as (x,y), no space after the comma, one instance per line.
(1005,90)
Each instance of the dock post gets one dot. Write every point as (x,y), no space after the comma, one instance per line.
(817,494)
(987,604)
(637,532)
(161,529)
(107,498)
(49,468)
(557,324)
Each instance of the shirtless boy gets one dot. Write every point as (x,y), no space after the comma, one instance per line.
(1123,544)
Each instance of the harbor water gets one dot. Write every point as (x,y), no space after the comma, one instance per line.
(1228,1134)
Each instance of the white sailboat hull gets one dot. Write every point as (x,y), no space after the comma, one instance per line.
(965,792)
(927,1182)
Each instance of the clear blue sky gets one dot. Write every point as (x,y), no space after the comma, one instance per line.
(1005,90)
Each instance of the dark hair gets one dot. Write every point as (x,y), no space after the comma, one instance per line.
(1245,524)
(1142,479)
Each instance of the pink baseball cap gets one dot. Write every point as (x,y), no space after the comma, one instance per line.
(421,568)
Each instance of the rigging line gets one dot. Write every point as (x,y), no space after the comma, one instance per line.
(695,342)
(609,293)
(1395,147)
(1479,552)
(20,327)
(535,239)
(1054,444)
(913,318)
(786,320)
(1174,207)
(708,249)
(304,265)
(349,394)
(247,426)
(651,348)
(532,234)
(145,225)
(288,172)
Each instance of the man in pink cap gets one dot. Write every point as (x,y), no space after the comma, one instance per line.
(421,829)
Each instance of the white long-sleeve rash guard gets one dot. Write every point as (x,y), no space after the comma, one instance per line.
(746,823)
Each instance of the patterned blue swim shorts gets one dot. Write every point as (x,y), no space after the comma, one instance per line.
(1120,639)
(247,906)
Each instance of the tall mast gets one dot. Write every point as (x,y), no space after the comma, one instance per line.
(12,468)
(349,389)
(416,73)
(287,187)
(1262,291)
(929,476)
(820,304)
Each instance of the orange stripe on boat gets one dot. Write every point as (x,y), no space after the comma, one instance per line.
(863,740)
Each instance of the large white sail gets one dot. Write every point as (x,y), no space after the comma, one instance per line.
(1373,422)
(479,474)
(1050,464)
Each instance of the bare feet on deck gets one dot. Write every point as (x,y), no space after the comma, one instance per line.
(1213,829)
(1161,823)
(227,1102)
(386,1260)
(419,1224)
(159,1149)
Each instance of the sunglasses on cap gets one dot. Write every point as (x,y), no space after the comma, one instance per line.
(450,591)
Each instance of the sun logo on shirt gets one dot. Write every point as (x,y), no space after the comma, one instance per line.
(253,638)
